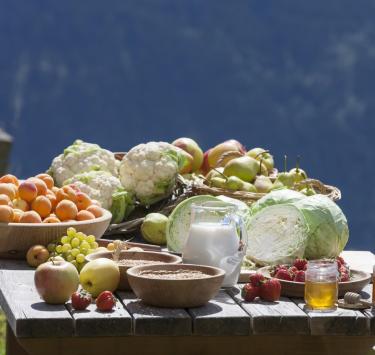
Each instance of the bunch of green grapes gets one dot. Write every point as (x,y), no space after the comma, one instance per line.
(73,247)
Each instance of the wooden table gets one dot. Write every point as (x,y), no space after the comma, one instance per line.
(226,325)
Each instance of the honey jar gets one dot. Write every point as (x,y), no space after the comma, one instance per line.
(321,285)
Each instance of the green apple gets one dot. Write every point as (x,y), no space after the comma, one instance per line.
(154,227)
(100,275)
(245,168)
(56,280)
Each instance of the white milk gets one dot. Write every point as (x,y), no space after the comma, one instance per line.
(214,244)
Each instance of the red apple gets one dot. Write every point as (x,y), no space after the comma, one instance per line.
(185,161)
(228,146)
(205,168)
(56,280)
(190,146)
(36,255)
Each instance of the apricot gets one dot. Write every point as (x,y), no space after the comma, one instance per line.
(17,214)
(51,219)
(83,201)
(84,215)
(30,217)
(21,205)
(40,185)
(27,191)
(5,200)
(42,205)
(8,189)
(6,214)
(9,178)
(66,193)
(65,210)
(95,210)
(48,180)
(54,189)
(53,199)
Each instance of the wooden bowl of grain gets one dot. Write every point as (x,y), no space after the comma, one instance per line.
(128,259)
(175,286)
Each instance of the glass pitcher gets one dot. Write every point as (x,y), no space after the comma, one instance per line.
(217,237)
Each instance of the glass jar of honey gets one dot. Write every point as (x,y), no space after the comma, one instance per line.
(321,285)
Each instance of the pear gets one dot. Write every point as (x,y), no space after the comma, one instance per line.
(218,182)
(245,168)
(218,172)
(234,183)
(263,184)
(260,153)
(298,174)
(286,179)
(248,187)
(308,191)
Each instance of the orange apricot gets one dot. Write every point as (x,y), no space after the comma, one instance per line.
(5,200)
(8,189)
(51,219)
(40,185)
(30,217)
(42,205)
(84,215)
(54,189)
(9,178)
(95,210)
(66,193)
(66,209)
(27,191)
(52,197)
(17,214)
(21,205)
(6,214)
(83,201)
(48,180)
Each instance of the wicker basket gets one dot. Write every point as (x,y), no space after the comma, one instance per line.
(250,197)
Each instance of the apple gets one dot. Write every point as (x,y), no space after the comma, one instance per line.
(56,280)
(205,167)
(185,165)
(100,275)
(36,255)
(228,146)
(190,146)
(264,155)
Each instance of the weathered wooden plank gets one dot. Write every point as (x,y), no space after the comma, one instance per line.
(369,313)
(27,314)
(338,322)
(221,316)
(149,320)
(91,322)
(281,317)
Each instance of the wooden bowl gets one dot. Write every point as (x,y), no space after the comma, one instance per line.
(158,257)
(17,238)
(172,293)
(297,289)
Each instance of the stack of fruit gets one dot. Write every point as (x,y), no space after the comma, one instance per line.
(267,290)
(37,200)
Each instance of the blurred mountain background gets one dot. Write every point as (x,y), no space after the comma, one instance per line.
(295,77)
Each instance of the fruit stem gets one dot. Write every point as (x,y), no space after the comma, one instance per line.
(225,177)
(261,153)
(260,166)
(285,163)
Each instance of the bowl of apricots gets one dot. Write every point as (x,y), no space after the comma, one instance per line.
(35,211)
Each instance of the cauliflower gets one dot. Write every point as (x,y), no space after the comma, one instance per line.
(82,157)
(149,171)
(107,189)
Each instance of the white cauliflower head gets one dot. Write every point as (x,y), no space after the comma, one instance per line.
(149,171)
(82,157)
(98,185)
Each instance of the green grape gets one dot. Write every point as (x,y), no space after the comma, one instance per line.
(70,257)
(90,238)
(84,245)
(65,239)
(75,242)
(51,247)
(71,232)
(84,251)
(81,236)
(74,262)
(94,245)
(66,247)
(74,252)
(80,258)
(59,249)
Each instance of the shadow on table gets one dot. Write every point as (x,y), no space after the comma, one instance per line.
(11,264)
